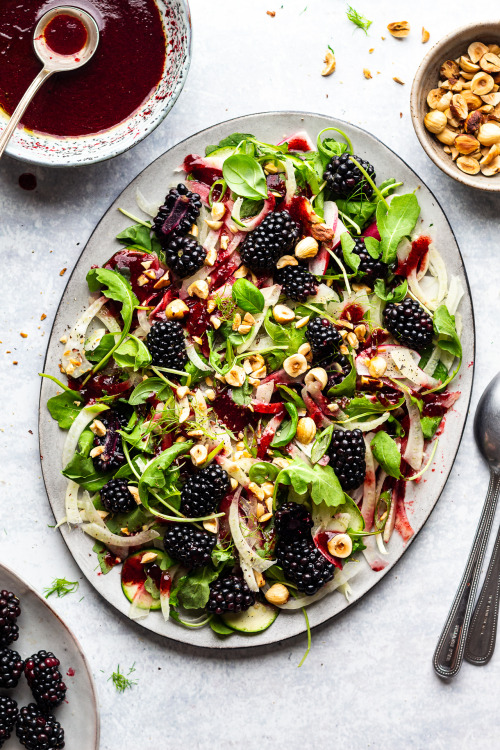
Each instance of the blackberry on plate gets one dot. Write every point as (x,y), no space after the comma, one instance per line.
(409,323)
(338,369)
(37,730)
(203,491)
(229,594)
(116,497)
(274,237)
(185,256)
(347,453)
(344,178)
(292,519)
(303,564)
(45,680)
(113,456)
(323,338)
(178,213)
(8,716)
(11,668)
(9,612)
(371,267)
(297,283)
(190,546)
(166,345)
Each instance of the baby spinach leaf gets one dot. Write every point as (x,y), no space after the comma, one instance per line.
(147,388)
(359,211)
(396,222)
(263,471)
(231,141)
(243,395)
(286,431)
(85,442)
(221,557)
(103,347)
(138,235)
(245,176)
(195,589)
(65,407)
(250,208)
(444,328)
(320,445)
(395,295)
(247,296)
(132,353)
(429,426)
(373,247)
(387,454)
(321,481)
(81,470)
(156,476)
(290,395)
(441,372)
(351,258)
(140,437)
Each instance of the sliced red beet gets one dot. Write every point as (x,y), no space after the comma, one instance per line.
(321,541)
(234,416)
(419,249)
(132,262)
(201,170)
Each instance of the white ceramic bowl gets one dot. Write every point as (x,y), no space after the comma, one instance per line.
(56,151)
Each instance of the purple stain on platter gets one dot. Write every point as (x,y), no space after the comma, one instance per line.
(27,181)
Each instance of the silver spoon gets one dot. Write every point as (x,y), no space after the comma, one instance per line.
(53,62)
(449,653)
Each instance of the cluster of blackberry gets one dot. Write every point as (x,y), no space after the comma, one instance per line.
(183,253)
(36,728)
(112,456)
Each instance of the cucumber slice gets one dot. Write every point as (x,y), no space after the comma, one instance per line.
(356,521)
(133,577)
(256,619)
(221,154)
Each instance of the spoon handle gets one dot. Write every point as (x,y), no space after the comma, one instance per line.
(449,653)
(21,108)
(483,628)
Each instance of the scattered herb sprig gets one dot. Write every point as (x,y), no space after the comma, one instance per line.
(358,19)
(121,681)
(61,587)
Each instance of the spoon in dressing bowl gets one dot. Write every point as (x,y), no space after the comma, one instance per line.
(449,653)
(65,38)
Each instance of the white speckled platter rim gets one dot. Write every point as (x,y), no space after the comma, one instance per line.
(46,150)
(40,627)
(153,183)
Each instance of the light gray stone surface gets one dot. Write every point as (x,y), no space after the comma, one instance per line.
(368,681)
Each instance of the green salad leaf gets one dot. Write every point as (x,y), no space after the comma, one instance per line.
(65,407)
(396,222)
(247,296)
(193,589)
(147,388)
(245,176)
(232,141)
(386,452)
(391,295)
(132,353)
(446,332)
(320,481)
(429,426)
(321,444)
(351,258)
(287,429)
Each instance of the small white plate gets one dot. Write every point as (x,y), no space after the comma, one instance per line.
(42,628)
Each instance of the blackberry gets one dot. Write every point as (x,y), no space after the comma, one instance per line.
(36,730)
(116,497)
(45,680)
(303,564)
(297,283)
(178,213)
(8,716)
(166,345)
(344,178)
(291,520)
(190,546)
(409,324)
(372,268)
(11,668)
(113,456)
(274,237)
(9,612)
(184,255)
(203,491)
(323,338)
(229,594)
(347,457)
(339,369)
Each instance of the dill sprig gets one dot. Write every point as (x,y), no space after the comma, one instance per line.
(357,19)
(226,307)
(121,681)
(61,587)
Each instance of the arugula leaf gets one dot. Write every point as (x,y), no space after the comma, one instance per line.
(429,426)
(102,553)
(243,395)
(132,353)
(81,470)
(147,388)
(396,222)
(321,481)
(441,372)
(231,141)
(387,454)
(446,332)
(250,208)
(219,626)
(373,247)
(352,259)
(284,336)
(65,407)
(395,295)
(104,347)
(156,476)
(139,437)
(137,234)
(247,296)
(361,405)
(195,588)
(290,395)
(286,431)
(359,211)
(357,19)
(347,386)
(320,445)
(221,556)
(245,176)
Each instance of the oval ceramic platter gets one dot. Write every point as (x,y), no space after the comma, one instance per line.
(153,183)
(42,628)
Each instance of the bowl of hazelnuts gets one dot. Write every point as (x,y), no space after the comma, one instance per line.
(455,105)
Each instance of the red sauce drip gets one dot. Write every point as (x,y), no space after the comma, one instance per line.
(70,672)
(27,181)
(354,313)
(419,249)
(99,385)
(133,572)
(201,171)
(198,319)
(298,144)
(65,34)
(120,77)
(276,184)
(232,415)
(110,560)
(435,404)
(299,209)
(321,541)
(165,582)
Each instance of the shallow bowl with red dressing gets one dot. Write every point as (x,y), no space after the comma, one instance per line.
(110,104)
